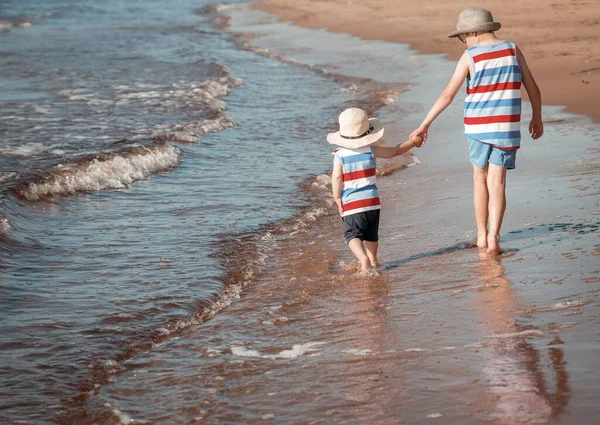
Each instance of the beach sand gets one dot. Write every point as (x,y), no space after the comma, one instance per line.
(445,335)
(561,40)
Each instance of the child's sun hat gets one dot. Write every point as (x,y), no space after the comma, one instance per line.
(356,130)
(475,19)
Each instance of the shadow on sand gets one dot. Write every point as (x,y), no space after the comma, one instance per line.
(559,230)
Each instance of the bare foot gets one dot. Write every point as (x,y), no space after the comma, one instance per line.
(482,241)
(364,272)
(493,245)
(365,265)
(374,263)
(369,273)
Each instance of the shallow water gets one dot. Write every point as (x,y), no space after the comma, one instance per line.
(294,336)
(114,234)
(446,333)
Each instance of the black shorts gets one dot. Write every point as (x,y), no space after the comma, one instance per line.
(363,225)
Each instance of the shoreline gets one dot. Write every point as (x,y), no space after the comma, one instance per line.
(565,63)
(442,333)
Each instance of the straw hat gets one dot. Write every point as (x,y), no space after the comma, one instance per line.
(356,130)
(475,19)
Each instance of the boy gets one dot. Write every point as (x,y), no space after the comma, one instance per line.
(494,70)
(353,181)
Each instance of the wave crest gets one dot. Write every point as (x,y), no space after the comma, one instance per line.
(105,171)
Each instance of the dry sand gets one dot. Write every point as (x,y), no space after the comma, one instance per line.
(561,39)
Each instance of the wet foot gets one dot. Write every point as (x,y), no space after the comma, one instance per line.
(482,241)
(365,266)
(370,273)
(493,244)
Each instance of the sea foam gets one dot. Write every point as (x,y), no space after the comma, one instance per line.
(114,172)
(297,350)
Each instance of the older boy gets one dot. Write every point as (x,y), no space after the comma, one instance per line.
(494,70)
(354,181)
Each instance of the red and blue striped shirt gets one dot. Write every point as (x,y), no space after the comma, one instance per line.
(493,102)
(359,189)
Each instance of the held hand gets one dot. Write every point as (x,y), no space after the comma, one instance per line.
(422,132)
(536,128)
(417,139)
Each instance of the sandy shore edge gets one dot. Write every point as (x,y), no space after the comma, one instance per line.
(561,41)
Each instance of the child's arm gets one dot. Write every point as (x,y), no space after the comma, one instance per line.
(337,179)
(389,152)
(447,96)
(536,126)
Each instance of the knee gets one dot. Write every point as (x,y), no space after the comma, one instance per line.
(480,177)
(497,182)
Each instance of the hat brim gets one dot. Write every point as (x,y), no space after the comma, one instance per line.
(490,26)
(375,134)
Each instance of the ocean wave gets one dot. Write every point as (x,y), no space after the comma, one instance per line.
(297,350)
(193,96)
(3,225)
(6,176)
(188,133)
(20,21)
(105,171)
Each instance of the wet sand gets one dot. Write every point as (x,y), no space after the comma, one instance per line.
(559,39)
(445,335)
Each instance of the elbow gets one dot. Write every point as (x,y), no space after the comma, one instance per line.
(447,97)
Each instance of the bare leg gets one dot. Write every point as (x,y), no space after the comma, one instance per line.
(372,252)
(357,249)
(480,201)
(496,182)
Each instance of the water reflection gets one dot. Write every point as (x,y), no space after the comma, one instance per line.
(513,367)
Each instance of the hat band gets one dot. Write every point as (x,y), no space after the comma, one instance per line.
(366,133)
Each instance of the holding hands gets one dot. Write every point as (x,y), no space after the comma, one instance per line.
(419,136)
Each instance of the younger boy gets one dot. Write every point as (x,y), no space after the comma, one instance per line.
(353,181)
(494,70)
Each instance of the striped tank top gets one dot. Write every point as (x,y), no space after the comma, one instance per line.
(359,191)
(493,102)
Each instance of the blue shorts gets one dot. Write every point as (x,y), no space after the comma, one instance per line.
(481,153)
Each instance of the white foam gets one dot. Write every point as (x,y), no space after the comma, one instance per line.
(3,225)
(244,352)
(391,98)
(415,161)
(297,350)
(530,332)
(124,418)
(561,306)
(25,149)
(358,352)
(115,173)
(563,326)
(189,133)
(322,183)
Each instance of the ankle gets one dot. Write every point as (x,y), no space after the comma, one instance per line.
(493,236)
(365,263)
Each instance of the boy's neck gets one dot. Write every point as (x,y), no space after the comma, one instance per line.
(486,39)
